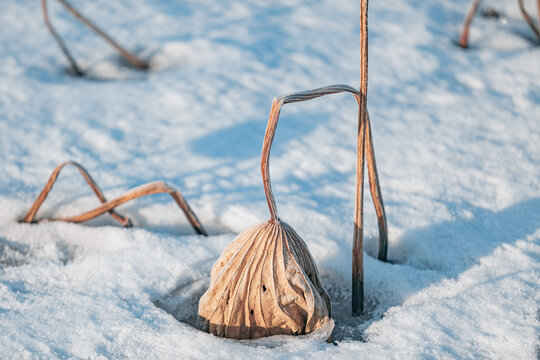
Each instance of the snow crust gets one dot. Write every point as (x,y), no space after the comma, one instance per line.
(457,139)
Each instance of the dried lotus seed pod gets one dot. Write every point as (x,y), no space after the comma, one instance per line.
(265,283)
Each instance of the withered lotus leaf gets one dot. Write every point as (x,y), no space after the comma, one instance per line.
(265,283)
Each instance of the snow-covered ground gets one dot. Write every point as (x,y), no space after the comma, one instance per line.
(457,139)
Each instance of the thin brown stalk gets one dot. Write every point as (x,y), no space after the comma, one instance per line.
(31,214)
(376,193)
(464,39)
(358,236)
(528,18)
(109,206)
(133,60)
(59,40)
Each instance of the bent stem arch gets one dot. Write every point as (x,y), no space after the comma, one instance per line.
(31,214)
(132,59)
(464,39)
(364,147)
(157,187)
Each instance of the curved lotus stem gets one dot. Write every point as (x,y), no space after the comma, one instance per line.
(108,206)
(363,147)
(376,193)
(528,18)
(31,214)
(463,40)
(271,130)
(132,59)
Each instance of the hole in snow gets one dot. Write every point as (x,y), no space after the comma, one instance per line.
(347,326)
(183,303)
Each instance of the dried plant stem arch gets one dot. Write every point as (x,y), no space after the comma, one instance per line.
(109,206)
(31,214)
(365,150)
(132,59)
(464,38)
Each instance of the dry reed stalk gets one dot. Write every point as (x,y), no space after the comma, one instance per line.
(132,59)
(109,206)
(528,18)
(266,282)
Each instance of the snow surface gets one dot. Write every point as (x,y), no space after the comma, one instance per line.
(457,138)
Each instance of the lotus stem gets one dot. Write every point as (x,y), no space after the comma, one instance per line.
(528,18)
(108,206)
(132,59)
(538,9)
(126,54)
(376,193)
(31,214)
(271,130)
(464,39)
(358,235)
(365,146)
(59,40)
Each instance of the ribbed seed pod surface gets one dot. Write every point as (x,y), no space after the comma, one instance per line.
(265,283)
